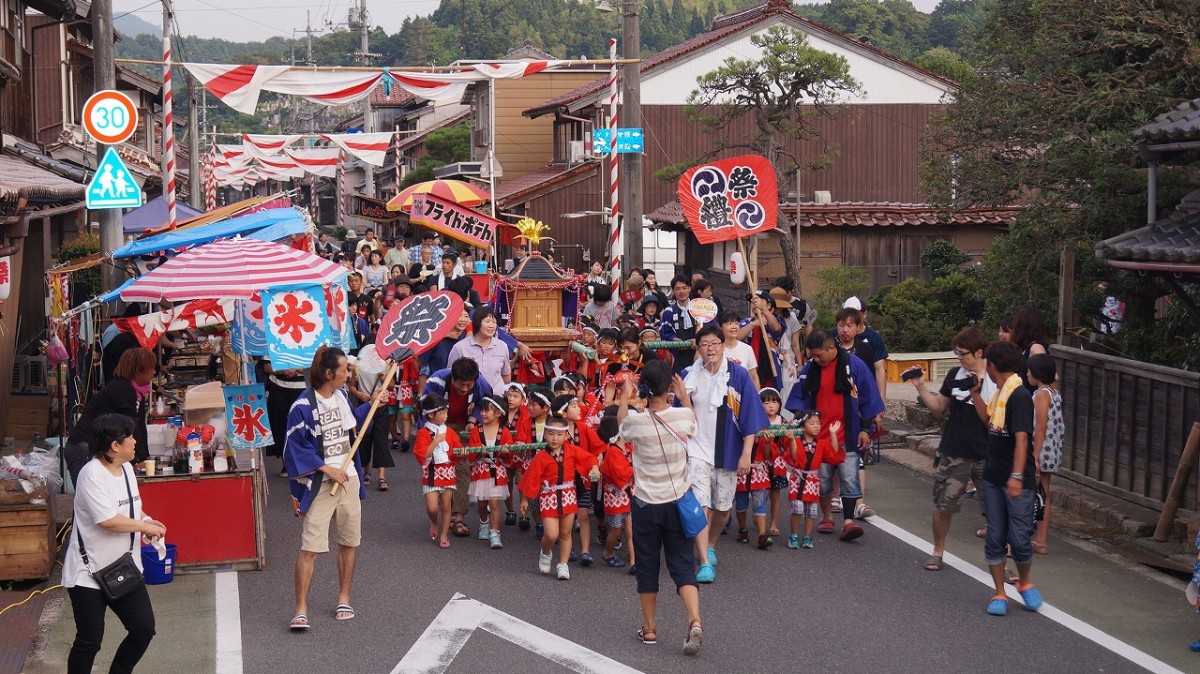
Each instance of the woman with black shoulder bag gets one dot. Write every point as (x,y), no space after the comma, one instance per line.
(103,566)
(660,489)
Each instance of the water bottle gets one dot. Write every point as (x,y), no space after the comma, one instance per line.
(37,441)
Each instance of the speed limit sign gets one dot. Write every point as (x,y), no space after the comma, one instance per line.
(109,117)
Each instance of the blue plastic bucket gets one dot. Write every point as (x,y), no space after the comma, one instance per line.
(158,572)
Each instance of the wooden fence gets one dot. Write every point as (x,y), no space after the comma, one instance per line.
(1126,424)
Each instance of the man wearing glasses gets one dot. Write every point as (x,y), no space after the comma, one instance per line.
(728,415)
(964,442)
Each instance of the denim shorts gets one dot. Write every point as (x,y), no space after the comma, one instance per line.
(1009,521)
(743,499)
(847,475)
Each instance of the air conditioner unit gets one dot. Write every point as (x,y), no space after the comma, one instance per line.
(29,373)
(577,152)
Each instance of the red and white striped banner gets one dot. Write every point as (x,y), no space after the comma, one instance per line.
(239,86)
(317,161)
(369,147)
(260,145)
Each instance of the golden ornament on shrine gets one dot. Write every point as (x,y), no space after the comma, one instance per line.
(532,231)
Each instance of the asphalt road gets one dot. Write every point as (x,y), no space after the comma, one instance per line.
(866,606)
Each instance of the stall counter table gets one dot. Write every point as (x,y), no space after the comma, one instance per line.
(214,519)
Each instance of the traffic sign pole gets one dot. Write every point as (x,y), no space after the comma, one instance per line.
(104,74)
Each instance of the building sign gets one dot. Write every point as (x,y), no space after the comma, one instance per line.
(628,140)
(370,209)
(730,198)
(452,220)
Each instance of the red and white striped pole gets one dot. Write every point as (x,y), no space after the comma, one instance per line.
(614,218)
(210,179)
(396,155)
(341,196)
(168,129)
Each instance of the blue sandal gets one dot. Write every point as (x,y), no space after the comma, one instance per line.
(998,606)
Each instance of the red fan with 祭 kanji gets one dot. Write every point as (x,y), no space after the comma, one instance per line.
(730,198)
(413,326)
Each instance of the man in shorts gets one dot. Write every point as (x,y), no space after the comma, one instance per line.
(728,415)
(963,446)
(320,425)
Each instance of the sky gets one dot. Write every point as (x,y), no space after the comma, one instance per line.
(246,20)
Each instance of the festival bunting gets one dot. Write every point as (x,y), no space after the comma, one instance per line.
(296,324)
(246,415)
(369,147)
(455,221)
(149,328)
(247,335)
(730,198)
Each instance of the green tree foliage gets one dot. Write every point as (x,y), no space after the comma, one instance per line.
(892,25)
(918,315)
(443,146)
(943,258)
(1045,121)
(779,96)
(82,246)
(945,62)
(835,284)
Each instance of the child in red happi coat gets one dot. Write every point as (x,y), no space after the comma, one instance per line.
(489,476)
(550,479)
(584,437)
(518,423)
(804,458)
(753,488)
(434,449)
(617,471)
(773,404)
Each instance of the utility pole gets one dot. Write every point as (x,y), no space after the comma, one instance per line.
(104,74)
(364,26)
(195,188)
(631,114)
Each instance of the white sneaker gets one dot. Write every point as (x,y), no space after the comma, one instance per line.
(862,511)
(564,573)
(544,563)
(835,505)
(485,530)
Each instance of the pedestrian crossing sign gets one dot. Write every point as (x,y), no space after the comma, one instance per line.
(113,186)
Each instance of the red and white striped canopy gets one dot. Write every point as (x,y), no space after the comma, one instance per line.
(230,268)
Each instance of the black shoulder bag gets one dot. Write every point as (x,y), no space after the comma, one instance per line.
(122,576)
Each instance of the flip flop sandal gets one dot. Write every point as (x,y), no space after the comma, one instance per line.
(934,563)
(443,544)
(773,531)
(460,529)
(383,485)
(299,623)
(647,637)
(433,532)
(343,608)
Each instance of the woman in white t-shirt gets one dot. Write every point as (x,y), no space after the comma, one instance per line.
(108,520)
(660,477)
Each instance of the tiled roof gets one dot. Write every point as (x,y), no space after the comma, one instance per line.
(408,141)
(510,190)
(867,214)
(724,26)
(400,97)
(891,213)
(1180,124)
(21,180)
(1176,239)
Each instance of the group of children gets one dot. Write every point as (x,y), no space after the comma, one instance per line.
(550,456)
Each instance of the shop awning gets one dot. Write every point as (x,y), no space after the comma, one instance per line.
(283,221)
(222,213)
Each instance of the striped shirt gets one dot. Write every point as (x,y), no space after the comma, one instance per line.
(660,472)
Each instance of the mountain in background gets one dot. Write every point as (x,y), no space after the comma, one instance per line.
(130,25)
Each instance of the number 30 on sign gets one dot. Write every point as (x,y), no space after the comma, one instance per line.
(110,117)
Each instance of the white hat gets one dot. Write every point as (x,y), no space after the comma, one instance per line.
(853,303)
(351,234)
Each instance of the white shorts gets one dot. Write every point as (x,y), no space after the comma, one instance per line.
(714,487)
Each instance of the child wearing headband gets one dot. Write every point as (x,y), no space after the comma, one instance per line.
(617,472)
(753,488)
(489,476)
(517,422)
(804,459)
(539,412)
(434,450)
(583,437)
(773,404)
(551,480)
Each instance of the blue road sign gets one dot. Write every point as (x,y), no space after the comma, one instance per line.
(628,140)
(113,186)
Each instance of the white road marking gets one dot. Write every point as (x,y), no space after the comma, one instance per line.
(441,642)
(229,623)
(1100,637)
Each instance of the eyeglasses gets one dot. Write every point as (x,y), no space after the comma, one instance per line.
(709,345)
(962,354)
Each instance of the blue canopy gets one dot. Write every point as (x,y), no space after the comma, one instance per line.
(153,215)
(281,221)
